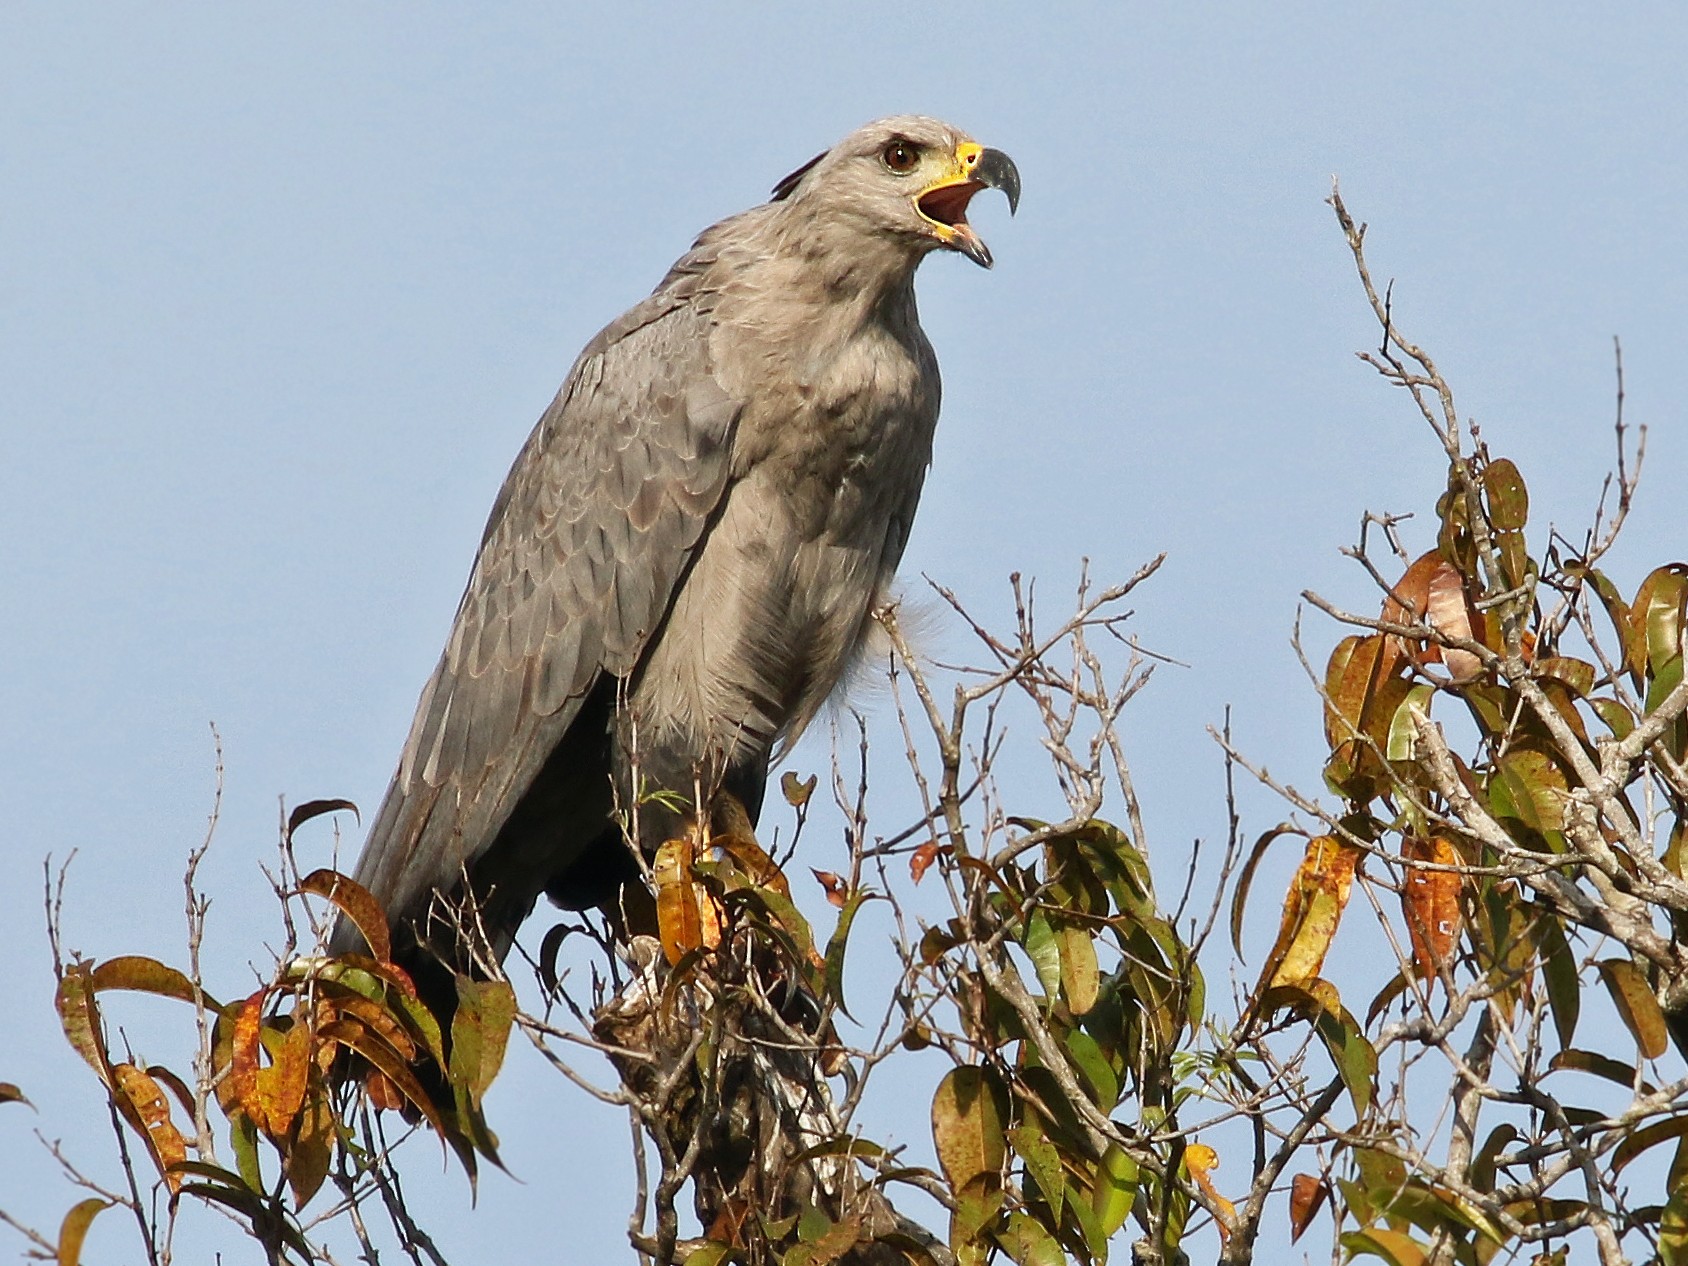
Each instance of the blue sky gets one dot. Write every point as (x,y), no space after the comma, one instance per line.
(282,289)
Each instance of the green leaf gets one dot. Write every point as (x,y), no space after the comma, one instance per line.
(1094,1065)
(1402,742)
(839,943)
(1028,1243)
(1042,1161)
(1559,969)
(1353,1054)
(1673,1221)
(1041,947)
(1391,1246)
(714,1252)
(1115,1189)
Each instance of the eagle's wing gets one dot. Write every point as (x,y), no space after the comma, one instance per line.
(597,520)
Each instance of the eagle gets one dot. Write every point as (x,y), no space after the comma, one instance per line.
(685,556)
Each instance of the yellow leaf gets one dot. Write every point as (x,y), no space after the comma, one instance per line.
(1312,909)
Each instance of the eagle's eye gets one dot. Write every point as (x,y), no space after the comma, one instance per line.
(901,156)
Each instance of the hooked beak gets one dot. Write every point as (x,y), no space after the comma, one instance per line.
(943,204)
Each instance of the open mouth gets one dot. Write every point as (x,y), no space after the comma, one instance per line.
(947,204)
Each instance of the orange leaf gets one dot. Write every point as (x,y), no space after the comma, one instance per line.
(280,1089)
(1312,909)
(1307,1196)
(921,860)
(1430,902)
(1199,1158)
(243,1060)
(150,1111)
(686,916)
(833,884)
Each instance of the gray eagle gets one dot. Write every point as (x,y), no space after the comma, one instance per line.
(684,557)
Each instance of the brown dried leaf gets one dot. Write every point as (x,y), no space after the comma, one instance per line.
(279,1090)
(833,884)
(357,904)
(1307,1196)
(79,1015)
(1430,902)
(315,809)
(920,861)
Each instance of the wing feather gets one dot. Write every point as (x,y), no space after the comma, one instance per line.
(590,534)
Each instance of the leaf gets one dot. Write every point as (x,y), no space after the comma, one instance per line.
(279,1090)
(1509,502)
(1402,741)
(838,944)
(1200,1159)
(79,1015)
(1029,1243)
(1115,1189)
(833,884)
(1312,910)
(797,790)
(1392,1246)
(1080,973)
(1041,1159)
(1560,973)
(354,901)
(1041,947)
(10,1092)
(480,1031)
(920,861)
(1350,1050)
(711,1254)
(968,1115)
(1094,1065)
(1656,618)
(242,1081)
(1637,1007)
(1245,880)
(1307,1195)
(149,1111)
(309,1157)
(1430,902)
(1648,1136)
(147,975)
(1673,1219)
(679,901)
(74,1229)
(1596,1065)
(315,809)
